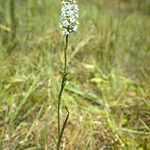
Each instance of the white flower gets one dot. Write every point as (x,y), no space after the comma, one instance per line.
(69,16)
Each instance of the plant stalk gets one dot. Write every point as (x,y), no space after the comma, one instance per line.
(63,82)
(13,17)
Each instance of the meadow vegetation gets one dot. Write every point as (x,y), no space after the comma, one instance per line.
(108,88)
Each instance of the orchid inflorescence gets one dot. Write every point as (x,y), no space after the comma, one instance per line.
(69,22)
(69,16)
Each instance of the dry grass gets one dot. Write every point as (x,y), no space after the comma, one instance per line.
(108,89)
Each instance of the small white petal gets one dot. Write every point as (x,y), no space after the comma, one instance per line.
(69,16)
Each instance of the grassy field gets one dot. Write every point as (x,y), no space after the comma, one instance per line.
(108,88)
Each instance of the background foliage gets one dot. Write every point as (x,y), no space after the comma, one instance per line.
(108,88)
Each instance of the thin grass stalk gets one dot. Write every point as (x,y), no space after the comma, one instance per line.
(13,18)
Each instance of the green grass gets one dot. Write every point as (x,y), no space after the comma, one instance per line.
(107,93)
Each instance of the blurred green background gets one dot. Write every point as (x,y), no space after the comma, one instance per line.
(108,88)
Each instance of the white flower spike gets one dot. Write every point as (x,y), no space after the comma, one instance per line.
(69,16)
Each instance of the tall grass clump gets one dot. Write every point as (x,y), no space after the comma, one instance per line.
(107,84)
(69,22)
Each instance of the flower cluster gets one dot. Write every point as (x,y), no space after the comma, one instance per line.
(69,16)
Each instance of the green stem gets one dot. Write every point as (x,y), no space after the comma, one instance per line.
(63,82)
(62,130)
(13,17)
